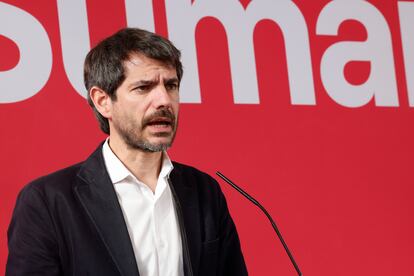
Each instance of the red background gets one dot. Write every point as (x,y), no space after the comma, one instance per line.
(337,180)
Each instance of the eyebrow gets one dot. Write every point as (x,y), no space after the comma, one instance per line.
(150,82)
(172,80)
(142,82)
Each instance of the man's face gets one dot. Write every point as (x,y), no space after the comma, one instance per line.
(145,112)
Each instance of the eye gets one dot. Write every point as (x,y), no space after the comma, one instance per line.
(142,88)
(171,86)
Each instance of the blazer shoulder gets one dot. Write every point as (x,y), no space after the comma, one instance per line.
(59,180)
(193,176)
(189,170)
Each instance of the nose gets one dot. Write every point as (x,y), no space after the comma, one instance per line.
(161,97)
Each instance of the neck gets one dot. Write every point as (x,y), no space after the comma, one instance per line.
(145,166)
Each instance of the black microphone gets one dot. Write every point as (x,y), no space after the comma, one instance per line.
(255,202)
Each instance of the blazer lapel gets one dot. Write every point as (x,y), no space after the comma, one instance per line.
(97,196)
(187,204)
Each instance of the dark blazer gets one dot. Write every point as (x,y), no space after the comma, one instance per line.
(70,223)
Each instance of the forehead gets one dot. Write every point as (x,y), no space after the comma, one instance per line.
(141,65)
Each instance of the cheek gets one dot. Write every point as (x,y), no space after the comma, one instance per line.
(127,117)
(135,110)
(176,104)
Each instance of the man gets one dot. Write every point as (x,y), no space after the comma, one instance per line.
(127,209)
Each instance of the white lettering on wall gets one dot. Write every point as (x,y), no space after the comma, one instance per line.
(35,61)
(74,33)
(295,31)
(35,64)
(406,11)
(140,14)
(377,49)
(239,24)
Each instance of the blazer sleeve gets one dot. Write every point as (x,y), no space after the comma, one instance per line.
(32,244)
(231,261)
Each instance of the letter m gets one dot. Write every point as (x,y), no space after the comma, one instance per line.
(183,16)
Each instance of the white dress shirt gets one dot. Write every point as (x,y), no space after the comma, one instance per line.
(150,217)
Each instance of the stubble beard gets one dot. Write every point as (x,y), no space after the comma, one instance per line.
(138,142)
(132,133)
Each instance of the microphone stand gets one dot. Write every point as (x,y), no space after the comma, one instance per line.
(255,202)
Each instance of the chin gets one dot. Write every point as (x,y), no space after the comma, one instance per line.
(164,143)
(160,138)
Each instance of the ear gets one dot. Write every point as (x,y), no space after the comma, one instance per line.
(102,101)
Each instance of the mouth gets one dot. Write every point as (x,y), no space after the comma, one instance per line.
(160,123)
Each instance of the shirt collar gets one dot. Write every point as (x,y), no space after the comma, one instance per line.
(117,170)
